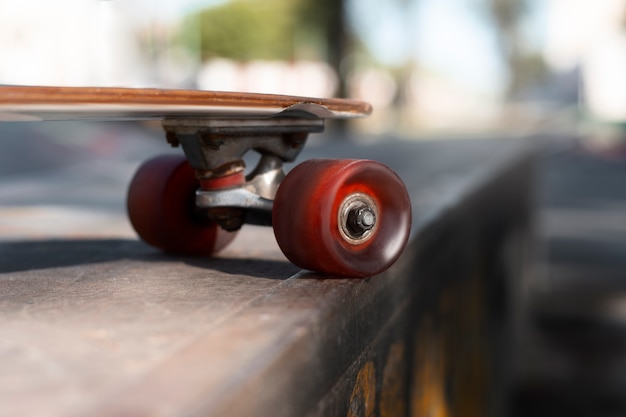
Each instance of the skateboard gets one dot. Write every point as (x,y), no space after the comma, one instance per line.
(342,217)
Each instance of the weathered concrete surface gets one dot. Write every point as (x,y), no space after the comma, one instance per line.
(95,322)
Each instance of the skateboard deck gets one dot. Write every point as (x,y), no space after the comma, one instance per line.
(32,103)
(341,217)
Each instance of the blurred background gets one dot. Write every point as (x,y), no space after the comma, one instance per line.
(427,65)
(433,69)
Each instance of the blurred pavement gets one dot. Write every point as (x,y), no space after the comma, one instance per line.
(574,360)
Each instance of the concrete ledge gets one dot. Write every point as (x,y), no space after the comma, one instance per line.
(104,325)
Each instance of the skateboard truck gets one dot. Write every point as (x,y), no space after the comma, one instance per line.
(344,217)
(215,148)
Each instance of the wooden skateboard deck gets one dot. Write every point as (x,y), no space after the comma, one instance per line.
(34,103)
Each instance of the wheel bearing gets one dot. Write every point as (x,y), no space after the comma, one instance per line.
(357,219)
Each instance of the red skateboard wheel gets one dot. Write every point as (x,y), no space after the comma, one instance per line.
(161,208)
(343,217)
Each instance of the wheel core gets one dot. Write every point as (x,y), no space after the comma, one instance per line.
(357,218)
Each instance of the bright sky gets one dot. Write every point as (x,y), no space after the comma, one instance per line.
(447,37)
(450,38)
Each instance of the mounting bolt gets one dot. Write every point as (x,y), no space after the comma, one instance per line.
(357,218)
(229,219)
(360,220)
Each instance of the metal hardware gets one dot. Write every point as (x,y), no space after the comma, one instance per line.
(357,218)
(215,148)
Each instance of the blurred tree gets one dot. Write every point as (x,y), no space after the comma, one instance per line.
(243,30)
(272,29)
(326,21)
(526,67)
